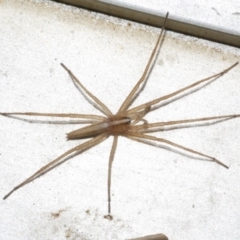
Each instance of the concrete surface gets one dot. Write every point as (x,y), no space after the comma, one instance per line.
(154,190)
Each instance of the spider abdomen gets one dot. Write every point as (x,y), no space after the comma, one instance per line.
(113,125)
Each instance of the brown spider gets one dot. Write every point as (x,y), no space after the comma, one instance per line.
(127,122)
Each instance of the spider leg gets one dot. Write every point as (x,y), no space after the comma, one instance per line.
(85,118)
(138,116)
(139,137)
(111,158)
(59,160)
(182,90)
(161,126)
(96,102)
(146,72)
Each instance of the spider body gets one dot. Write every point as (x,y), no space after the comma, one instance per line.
(114,125)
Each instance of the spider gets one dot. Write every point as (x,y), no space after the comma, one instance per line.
(127,122)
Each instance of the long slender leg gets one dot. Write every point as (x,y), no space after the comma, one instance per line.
(97,103)
(64,157)
(139,138)
(173,94)
(146,72)
(111,158)
(63,115)
(159,126)
(80,118)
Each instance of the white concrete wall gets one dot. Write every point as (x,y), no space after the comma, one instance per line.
(154,190)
